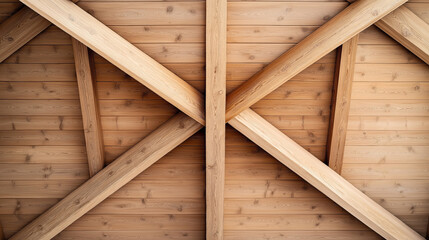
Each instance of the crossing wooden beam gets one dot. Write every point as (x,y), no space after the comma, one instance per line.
(89,106)
(340,107)
(101,39)
(215,116)
(408,29)
(331,35)
(111,178)
(311,169)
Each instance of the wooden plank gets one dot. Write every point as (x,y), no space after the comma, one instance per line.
(111,178)
(42,154)
(43,171)
(301,235)
(282,13)
(362,14)
(393,54)
(390,90)
(136,63)
(89,106)
(37,73)
(391,72)
(216,15)
(141,235)
(341,103)
(19,29)
(321,176)
(317,222)
(386,154)
(41,122)
(388,123)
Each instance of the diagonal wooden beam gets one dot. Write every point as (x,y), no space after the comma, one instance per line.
(89,106)
(335,32)
(101,39)
(215,116)
(19,29)
(408,29)
(111,178)
(321,176)
(340,107)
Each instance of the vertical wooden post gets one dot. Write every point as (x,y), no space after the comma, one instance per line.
(89,106)
(341,103)
(215,115)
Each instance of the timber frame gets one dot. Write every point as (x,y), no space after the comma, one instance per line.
(388,15)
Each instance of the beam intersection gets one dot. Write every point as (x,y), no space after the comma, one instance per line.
(191,102)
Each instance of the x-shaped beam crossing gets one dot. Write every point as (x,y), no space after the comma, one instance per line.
(82,26)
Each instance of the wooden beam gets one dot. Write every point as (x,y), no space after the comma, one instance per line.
(89,106)
(111,178)
(409,30)
(335,32)
(321,176)
(341,103)
(101,39)
(215,116)
(19,29)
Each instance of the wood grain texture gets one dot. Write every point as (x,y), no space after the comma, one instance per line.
(19,29)
(216,13)
(71,19)
(322,177)
(341,103)
(111,178)
(408,29)
(359,15)
(89,106)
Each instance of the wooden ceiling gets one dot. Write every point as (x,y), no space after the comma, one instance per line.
(223,103)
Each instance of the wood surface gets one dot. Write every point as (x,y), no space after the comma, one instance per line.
(216,15)
(19,29)
(136,63)
(89,106)
(321,176)
(111,178)
(409,30)
(341,103)
(360,15)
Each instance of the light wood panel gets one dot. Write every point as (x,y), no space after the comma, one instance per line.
(360,15)
(137,64)
(341,103)
(216,15)
(111,178)
(89,106)
(318,174)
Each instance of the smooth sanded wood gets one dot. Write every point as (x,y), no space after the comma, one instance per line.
(321,176)
(215,116)
(341,103)
(358,16)
(111,178)
(19,29)
(88,30)
(89,106)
